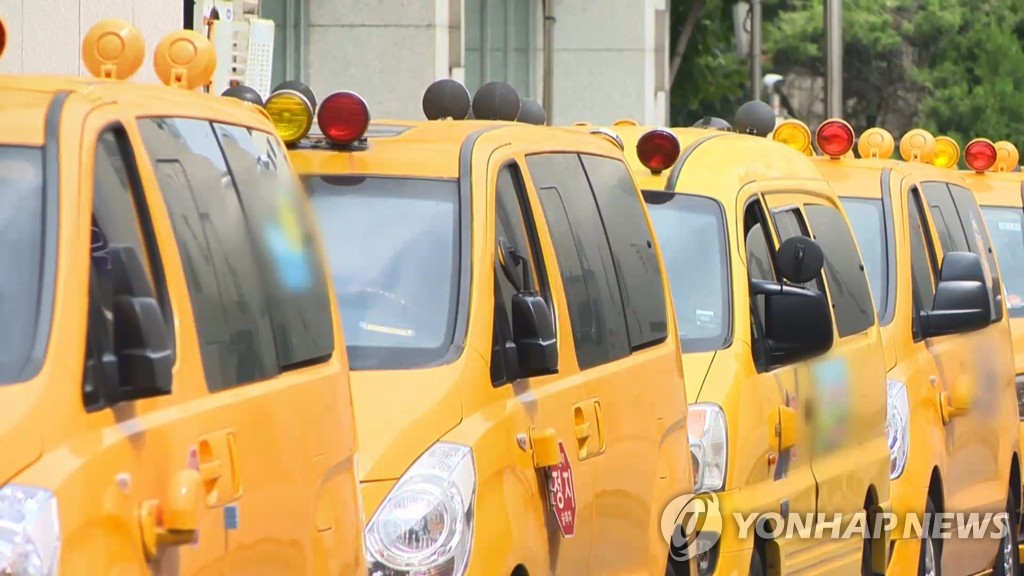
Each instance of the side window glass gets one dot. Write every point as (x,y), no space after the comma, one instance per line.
(759,267)
(979,242)
(285,240)
(790,223)
(921,261)
(632,246)
(124,257)
(847,281)
(516,267)
(221,268)
(947,220)
(584,258)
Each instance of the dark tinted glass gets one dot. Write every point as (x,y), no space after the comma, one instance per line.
(1005,226)
(285,238)
(222,269)
(977,238)
(392,249)
(699,278)
(847,282)
(945,216)
(584,258)
(21,231)
(636,264)
(868,224)
(921,260)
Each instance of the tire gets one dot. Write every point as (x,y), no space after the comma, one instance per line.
(1007,563)
(756,564)
(929,563)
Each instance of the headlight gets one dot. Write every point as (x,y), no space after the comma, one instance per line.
(897,428)
(708,446)
(29,532)
(1020,396)
(425,525)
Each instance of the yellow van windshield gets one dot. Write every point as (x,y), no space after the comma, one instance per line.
(1005,227)
(21,263)
(691,235)
(392,246)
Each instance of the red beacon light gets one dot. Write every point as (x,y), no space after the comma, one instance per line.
(343,117)
(658,150)
(835,138)
(980,154)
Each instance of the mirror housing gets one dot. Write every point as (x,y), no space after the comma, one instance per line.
(533,330)
(798,322)
(799,259)
(144,351)
(962,301)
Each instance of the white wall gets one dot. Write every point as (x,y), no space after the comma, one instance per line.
(610,61)
(45,36)
(387,51)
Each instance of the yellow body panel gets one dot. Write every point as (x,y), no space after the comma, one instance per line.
(952,463)
(279,452)
(624,476)
(735,170)
(1004,190)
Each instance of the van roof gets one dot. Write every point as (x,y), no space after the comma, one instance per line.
(861,177)
(25,99)
(420,148)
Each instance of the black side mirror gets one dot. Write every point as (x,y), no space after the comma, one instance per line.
(962,301)
(800,259)
(533,330)
(143,347)
(142,343)
(797,322)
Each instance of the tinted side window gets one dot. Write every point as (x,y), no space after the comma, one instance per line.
(979,242)
(224,280)
(584,258)
(759,267)
(790,223)
(119,218)
(285,240)
(847,282)
(944,214)
(516,267)
(921,261)
(632,245)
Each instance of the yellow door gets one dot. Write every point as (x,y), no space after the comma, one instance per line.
(148,437)
(636,390)
(555,405)
(792,466)
(971,481)
(273,378)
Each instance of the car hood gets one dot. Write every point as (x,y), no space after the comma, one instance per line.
(401,413)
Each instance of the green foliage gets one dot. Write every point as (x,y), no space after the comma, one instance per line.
(954,68)
(713,78)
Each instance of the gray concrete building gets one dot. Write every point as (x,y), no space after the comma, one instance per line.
(610,57)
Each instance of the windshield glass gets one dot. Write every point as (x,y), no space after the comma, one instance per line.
(1004,225)
(868,223)
(392,248)
(21,262)
(691,235)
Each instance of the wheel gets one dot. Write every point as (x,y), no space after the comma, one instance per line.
(1006,559)
(929,563)
(756,564)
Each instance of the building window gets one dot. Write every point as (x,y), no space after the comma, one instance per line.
(499,37)
(288,37)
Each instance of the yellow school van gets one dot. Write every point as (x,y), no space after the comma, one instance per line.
(173,379)
(938,291)
(518,393)
(781,348)
(998,186)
